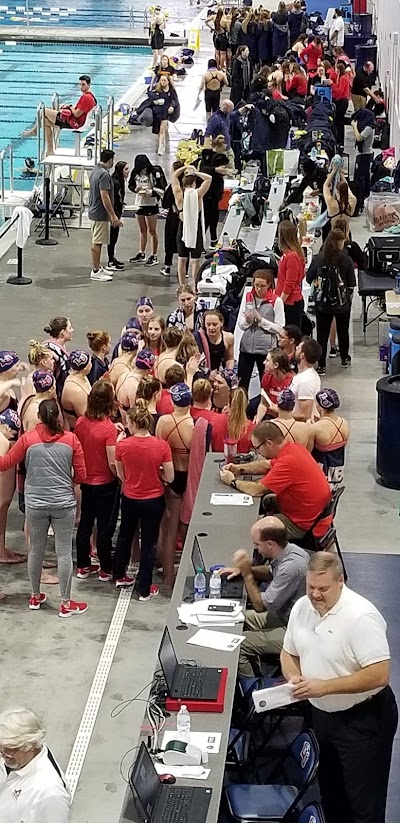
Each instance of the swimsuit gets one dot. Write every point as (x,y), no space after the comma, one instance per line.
(179,482)
(331,458)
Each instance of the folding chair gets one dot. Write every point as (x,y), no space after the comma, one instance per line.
(277,802)
(56,210)
(311,814)
(319,544)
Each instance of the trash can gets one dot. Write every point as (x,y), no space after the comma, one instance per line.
(388,433)
(365,53)
(394,347)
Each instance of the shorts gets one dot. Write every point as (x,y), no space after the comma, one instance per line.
(195,253)
(179,483)
(62,124)
(212,98)
(147,211)
(100,232)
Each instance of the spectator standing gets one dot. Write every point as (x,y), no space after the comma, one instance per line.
(280,31)
(242,75)
(261,324)
(341,96)
(220,122)
(118,178)
(147,183)
(296,22)
(311,56)
(101,213)
(290,273)
(363,123)
(336,31)
(361,90)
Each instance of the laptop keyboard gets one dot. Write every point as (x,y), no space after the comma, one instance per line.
(177,807)
(192,681)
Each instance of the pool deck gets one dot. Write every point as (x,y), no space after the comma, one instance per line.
(74,34)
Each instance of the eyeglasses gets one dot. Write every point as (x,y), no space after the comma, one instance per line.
(257,448)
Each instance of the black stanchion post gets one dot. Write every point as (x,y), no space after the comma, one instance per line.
(46,240)
(19,279)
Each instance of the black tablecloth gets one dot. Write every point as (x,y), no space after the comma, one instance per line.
(373,285)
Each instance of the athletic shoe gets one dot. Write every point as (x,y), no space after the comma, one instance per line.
(73,608)
(138,257)
(321,370)
(333,352)
(160,152)
(166,271)
(101,275)
(115,266)
(104,576)
(346,363)
(152,260)
(124,582)
(36,602)
(154,591)
(83,574)
(214,244)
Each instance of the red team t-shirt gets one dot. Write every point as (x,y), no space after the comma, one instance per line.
(142,458)
(273,387)
(94,437)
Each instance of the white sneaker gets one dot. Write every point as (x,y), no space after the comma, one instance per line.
(161,151)
(100,275)
(108,268)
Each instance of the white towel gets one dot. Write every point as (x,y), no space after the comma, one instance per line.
(190,215)
(23,226)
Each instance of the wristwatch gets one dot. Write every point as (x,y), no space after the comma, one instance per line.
(233,484)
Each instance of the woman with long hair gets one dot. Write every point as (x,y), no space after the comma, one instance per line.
(296,21)
(98,437)
(216,165)
(339,203)
(156,33)
(299,45)
(118,177)
(277,377)
(165,108)
(215,343)
(280,31)
(153,336)
(187,315)
(220,25)
(332,272)
(264,38)
(235,28)
(341,95)
(296,84)
(212,83)
(191,231)
(237,425)
(291,270)
(172,338)
(76,388)
(126,388)
(249,34)
(261,323)
(144,465)
(60,330)
(54,464)
(146,183)
(123,363)
(242,75)
(311,56)
(99,343)
(150,390)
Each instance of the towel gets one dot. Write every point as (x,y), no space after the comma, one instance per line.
(199,446)
(190,215)
(23,226)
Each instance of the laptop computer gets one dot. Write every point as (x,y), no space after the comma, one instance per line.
(157,802)
(186,682)
(230,589)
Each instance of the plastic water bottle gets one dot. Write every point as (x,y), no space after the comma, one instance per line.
(199,585)
(214,264)
(215,585)
(183,725)
(314,153)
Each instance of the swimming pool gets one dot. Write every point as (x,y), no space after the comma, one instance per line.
(89,13)
(30,72)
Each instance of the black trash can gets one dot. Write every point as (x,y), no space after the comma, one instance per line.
(365,53)
(394,347)
(388,434)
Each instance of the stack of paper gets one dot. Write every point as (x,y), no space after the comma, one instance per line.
(198,614)
(216,640)
(230,499)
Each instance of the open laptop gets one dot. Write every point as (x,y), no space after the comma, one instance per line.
(157,802)
(230,589)
(186,682)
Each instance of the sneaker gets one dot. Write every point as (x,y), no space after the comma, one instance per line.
(104,576)
(152,260)
(333,352)
(100,275)
(119,265)
(160,151)
(138,257)
(321,370)
(35,602)
(213,245)
(166,271)
(73,608)
(124,582)
(115,266)
(154,591)
(346,363)
(83,574)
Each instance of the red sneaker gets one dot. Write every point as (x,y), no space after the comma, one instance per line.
(35,602)
(73,608)
(104,576)
(84,573)
(179,545)
(154,591)
(124,582)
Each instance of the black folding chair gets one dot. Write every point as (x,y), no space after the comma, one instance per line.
(319,544)
(56,210)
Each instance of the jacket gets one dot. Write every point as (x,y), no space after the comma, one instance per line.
(219,123)
(238,89)
(310,56)
(290,277)
(280,34)
(341,88)
(296,26)
(259,338)
(264,42)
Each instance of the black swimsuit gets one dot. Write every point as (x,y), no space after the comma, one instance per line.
(217,353)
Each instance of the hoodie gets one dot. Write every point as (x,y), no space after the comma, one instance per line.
(54,463)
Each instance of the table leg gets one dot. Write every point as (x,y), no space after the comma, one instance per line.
(365,317)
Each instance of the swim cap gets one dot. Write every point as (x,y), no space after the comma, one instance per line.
(145,359)
(286,400)
(181,395)
(144,301)
(231,377)
(11,419)
(133,323)
(129,341)
(8,359)
(42,380)
(79,359)
(328,399)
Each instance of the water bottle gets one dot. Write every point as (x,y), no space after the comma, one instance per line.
(215,585)
(183,725)
(199,585)
(214,264)
(314,153)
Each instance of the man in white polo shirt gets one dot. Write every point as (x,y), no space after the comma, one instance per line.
(336,655)
(32,786)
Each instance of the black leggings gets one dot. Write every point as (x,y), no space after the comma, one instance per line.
(246,366)
(324,322)
(170,231)
(294,313)
(211,216)
(149,514)
(362,178)
(97,506)
(341,109)
(114,232)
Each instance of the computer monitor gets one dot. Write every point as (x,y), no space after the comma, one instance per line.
(146,782)
(168,659)
(197,557)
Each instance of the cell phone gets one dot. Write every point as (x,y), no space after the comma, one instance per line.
(228,608)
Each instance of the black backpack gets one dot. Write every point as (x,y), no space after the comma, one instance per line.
(330,291)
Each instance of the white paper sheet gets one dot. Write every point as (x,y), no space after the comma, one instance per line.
(273,698)
(195,772)
(226,499)
(206,741)
(222,641)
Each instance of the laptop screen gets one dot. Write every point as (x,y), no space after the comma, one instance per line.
(168,660)
(197,557)
(146,782)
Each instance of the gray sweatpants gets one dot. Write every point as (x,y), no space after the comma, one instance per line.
(63,521)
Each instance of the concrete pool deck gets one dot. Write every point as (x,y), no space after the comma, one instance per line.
(73,34)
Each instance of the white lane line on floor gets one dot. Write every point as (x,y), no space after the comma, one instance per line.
(89,716)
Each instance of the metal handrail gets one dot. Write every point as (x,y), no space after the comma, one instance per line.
(40,119)
(98,132)
(7,226)
(55,101)
(110,122)
(8,149)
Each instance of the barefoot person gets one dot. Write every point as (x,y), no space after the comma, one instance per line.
(9,427)
(10,366)
(68,117)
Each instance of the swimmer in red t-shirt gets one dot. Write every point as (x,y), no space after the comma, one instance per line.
(68,117)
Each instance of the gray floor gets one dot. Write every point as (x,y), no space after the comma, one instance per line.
(48,664)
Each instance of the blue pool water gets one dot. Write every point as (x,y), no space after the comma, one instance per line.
(30,72)
(89,13)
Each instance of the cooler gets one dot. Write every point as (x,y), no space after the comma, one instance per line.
(394,347)
(388,433)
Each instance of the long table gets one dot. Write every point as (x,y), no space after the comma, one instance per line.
(220,530)
(373,287)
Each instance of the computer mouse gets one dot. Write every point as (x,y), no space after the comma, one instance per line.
(167,778)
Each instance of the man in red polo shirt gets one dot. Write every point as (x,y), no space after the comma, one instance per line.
(299,489)
(68,117)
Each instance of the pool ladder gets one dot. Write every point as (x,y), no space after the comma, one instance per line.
(4,153)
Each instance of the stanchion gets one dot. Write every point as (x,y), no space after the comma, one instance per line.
(19,279)
(46,240)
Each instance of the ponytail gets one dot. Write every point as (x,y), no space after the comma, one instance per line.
(48,415)
(237,418)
